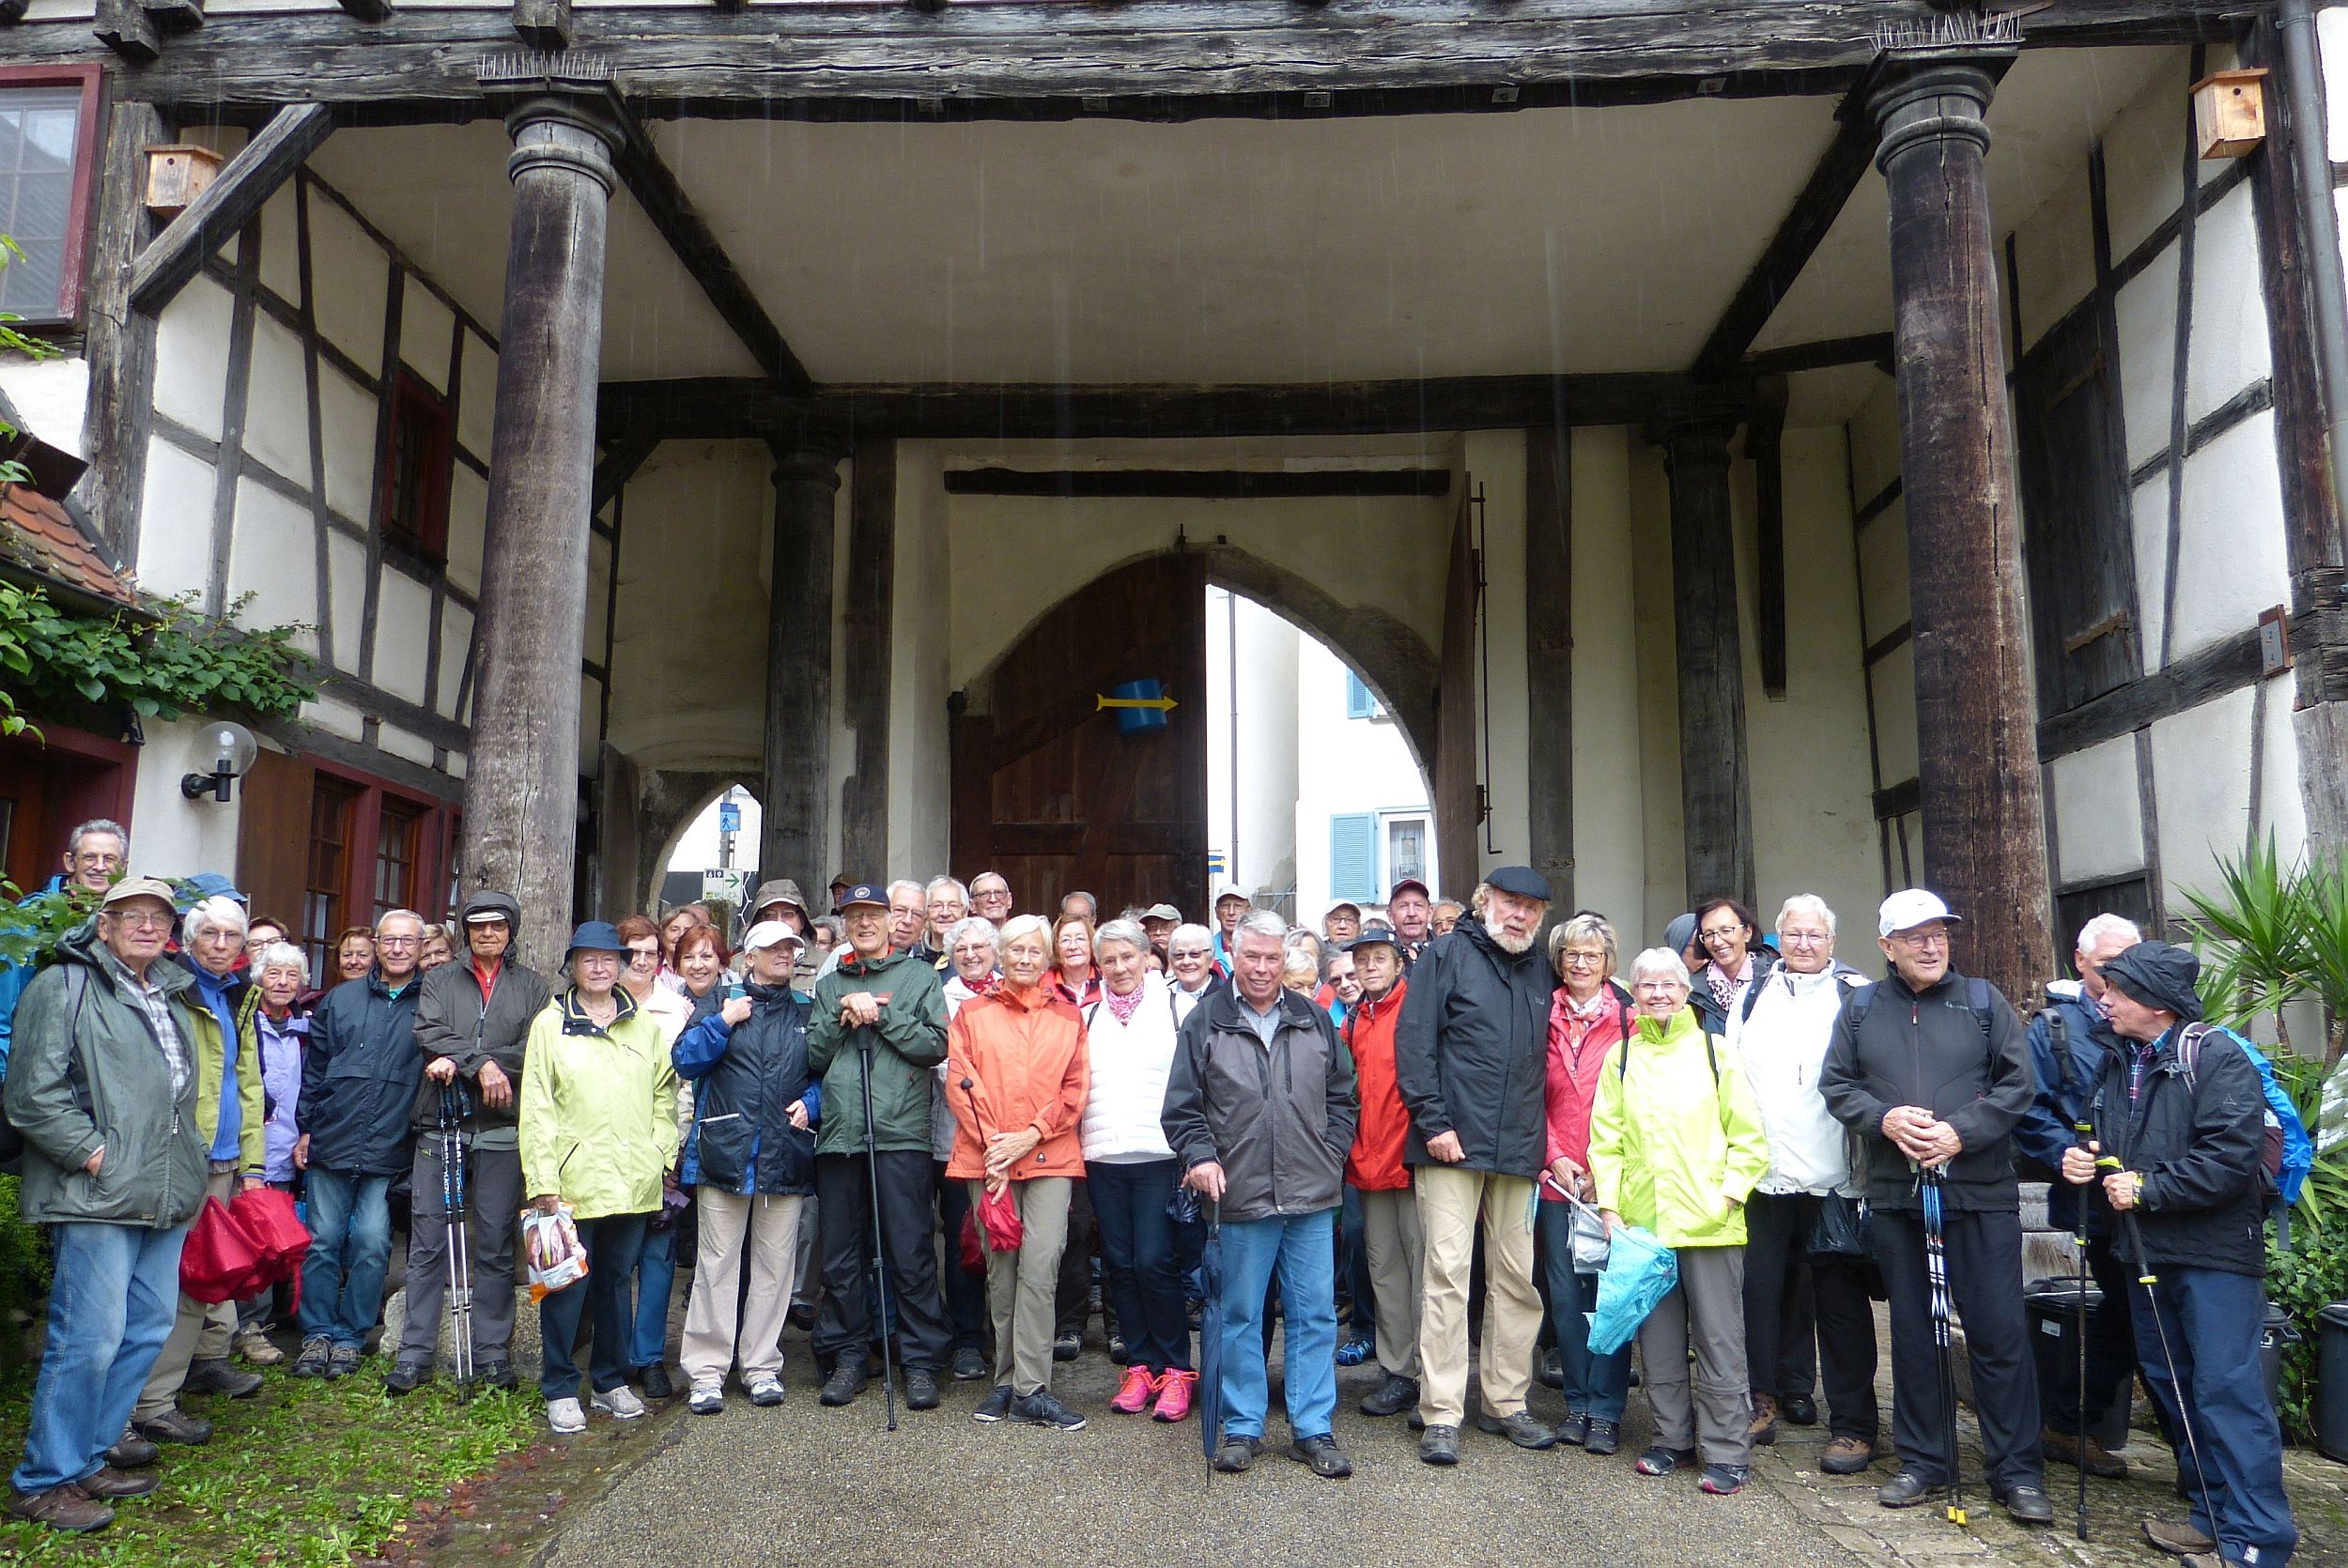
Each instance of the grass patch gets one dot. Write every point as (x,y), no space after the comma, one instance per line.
(305,1472)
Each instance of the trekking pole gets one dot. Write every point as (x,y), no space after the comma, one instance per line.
(459,1249)
(1944,1344)
(2145,1277)
(880,1268)
(2078,1238)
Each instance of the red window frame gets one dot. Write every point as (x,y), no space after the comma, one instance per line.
(432,834)
(72,264)
(421,415)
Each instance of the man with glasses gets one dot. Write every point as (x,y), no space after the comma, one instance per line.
(948,905)
(1931,1070)
(94,854)
(990,897)
(359,1086)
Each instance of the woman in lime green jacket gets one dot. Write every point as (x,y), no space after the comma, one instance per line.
(1675,1147)
(598,1127)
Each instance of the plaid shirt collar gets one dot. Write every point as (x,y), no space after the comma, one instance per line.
(156,1000)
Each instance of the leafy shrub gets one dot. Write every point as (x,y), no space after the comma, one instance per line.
(24,1280)
(2302,1279)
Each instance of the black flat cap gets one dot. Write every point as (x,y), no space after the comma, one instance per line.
(1522,881)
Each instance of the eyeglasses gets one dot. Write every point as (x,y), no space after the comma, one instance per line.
(643,955)
(1803,939)
(1583,961)
(143,920)
(399,942)
(1935,938)
(1725,934)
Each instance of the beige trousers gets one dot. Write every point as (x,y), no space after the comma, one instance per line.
(1397,1257)
(201,1330)
(1021,1284)
(1450,1202)
(769,1224)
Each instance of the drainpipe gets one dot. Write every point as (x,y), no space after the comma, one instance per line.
(2303,80)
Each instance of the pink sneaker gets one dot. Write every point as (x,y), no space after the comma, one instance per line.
(1134,1397)
(1174,1394)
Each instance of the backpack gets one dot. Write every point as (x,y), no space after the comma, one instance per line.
(2288,1153)
(1849,977)
(1976,996)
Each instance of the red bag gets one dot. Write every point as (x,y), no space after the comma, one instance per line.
(269,1218)
(973,1251)
(999,1213)
(221,1261)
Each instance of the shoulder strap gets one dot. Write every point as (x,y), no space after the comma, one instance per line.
(1089,1013)
(1753,994)
(2189,1054)
(1985,1007)
(1857,1000)
(2059,1033)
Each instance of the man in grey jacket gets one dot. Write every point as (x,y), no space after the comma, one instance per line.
(1260,1109)
(472,1021)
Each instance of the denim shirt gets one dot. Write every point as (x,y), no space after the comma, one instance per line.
(281,1047)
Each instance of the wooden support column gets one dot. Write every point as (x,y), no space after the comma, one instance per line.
(1549,656)
(797,789)
(1715,783)
(867,666)
(121,341)
(1765,435)
(522,787)
(1976,716)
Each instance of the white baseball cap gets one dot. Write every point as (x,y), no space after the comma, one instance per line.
(768,932)
(1911,907)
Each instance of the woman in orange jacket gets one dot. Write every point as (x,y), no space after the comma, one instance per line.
(1016,1076)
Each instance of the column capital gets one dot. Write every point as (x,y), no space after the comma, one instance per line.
(810,458)
(1693,437)
(574,131)
(1931,97)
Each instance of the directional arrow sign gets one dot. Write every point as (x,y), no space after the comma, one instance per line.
(1161,703)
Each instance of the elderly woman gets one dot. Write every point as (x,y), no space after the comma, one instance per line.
(1675,1147)
(1300,971)
(671,1011)
(598,1134)
(437,950)
(279,1026)
(970,945)
(679,920)
(354,955)
(1073,973)
(1191,970)
(1735,962)
(1016,1076)
(1132,1172)
(1588,1017)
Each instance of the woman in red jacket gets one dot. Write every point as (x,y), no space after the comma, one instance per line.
(1374,1169)
(1589,1014)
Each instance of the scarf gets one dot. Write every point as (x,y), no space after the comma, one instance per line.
(1126,1006)
(1724,986)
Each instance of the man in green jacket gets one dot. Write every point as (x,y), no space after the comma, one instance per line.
(102,1083)
(883,1011)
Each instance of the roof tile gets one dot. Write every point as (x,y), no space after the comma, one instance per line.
(37,534)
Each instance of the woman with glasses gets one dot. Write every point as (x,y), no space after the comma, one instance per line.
(1734,962)
(670,1012)
(971,945)
(1191,969)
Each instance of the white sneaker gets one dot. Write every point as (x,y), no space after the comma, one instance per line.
(566,1417)
(707,1399)
(621,1403)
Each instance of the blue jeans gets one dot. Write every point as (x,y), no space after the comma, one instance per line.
(1354,1263)
(1145,1283)
(1596,1385)
(1303,1247)
(350,1246)
(612,1243)
(114,1291)
(655,1276)
(2212,1321)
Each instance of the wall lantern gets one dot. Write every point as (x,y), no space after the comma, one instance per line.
(231,748)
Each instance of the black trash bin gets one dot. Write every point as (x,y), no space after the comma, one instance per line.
(2278,1332)
(2331,1387)
(2052,1307)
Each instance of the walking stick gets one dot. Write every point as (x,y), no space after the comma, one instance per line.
(880,1268)
(2079,1333)
(452,1121)
(1943,1345)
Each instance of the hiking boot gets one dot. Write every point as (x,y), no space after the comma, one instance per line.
(801,1317)
(996,1405)
(1067,1348)
(1521,1429)
(1725,1481)
(1391,1397)
(2027,1505)
(1573,1431)
(1354,1352)
(1846,1456)
(1605,1436)
(316,1352)
(1660,1460)
(176,1425)
(1134,1394)
(1116,1349)
(847,1380)
(654,1381)
(405,1375)
(1799,1409)
(1174,1394)
(343,1360)
(620,1403)
(565,1418)
(213,1374)
(2066,1448)
(106,1483)
(1041,1409)
(1235,1454)
(499,1375)
(253,1342)
(970,1364)
(65,1507)
(1439,1445)
(1553,1369)
(921,1389)
(765,1391)
(707,1399)
(132,1451)
(1762,1431)
(2178,1540)
(1322,1454)
(1904,1490)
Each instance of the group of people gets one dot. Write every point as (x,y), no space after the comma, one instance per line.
(1402,1106)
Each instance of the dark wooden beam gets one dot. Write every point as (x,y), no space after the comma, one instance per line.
(2223,666)
(621,458)
(122,25)
(794,782)
(1084,58)
(1840,169)
(1763,436)
(367,10)
(656,189)
(543,23)
(1868,349)
(1197,484)
(174,17)
(868,645)
(233,199)
(119,343)
(1715,773)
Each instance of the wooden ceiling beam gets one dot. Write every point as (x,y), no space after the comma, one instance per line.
(234,198)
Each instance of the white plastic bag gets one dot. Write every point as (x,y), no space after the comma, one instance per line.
(550,1242)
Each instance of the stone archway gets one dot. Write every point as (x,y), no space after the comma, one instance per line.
(667,803)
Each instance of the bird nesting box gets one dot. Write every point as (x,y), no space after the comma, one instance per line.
(175,175)
(2229,113)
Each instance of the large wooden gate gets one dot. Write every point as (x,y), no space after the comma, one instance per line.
(1458,801)
(1045,788)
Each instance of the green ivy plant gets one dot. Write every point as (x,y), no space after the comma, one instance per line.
(12,472)
(183,662)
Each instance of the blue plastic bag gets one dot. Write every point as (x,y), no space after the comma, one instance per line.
(1639,1272)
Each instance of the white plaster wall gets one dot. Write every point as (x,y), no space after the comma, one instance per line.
(476,407)
(2232,560)
(2143,159)
(2203,775)
(2332,33)
(467,527)
(1609,796)
(173,835)
(51,396)
(2054,251)
(273,555)
(352,276)
(427,331)
(2099,819)
(191,356)
(920,771)
(347,418)
(1262,859)
(1348,765)
(400,743)
(281,244)
(2228,348)
(346,591)
(455,642)
(277,402)
(175,522)
(403,636)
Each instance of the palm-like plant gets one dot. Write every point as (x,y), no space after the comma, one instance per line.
(2270,934)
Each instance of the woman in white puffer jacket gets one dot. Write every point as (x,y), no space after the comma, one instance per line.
(1132,1171)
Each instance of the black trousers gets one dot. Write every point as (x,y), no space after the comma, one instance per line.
(1072,1297)
(965,1292)
(1780,1280)
(909,1249)
(2110,1345)
(1985,1256)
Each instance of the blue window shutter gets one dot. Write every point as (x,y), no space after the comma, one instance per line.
(1353,854)
(1359,703)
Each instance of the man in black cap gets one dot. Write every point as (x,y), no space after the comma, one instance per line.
(2178,1154)
(1471,1060)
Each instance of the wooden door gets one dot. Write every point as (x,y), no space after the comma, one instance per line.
(1459,810)
(27,856)
(1047,790)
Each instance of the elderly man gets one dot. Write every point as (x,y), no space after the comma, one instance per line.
(1471,1061)
(1259,1110)
(1230,905)
(1781,1030)
(1414,917)
(909,922)
(473,1028)
(229,1067)
(112,1025)
(1082,904)
(948,905)
(881,1011)
(1930,1069)
(1387,1235)
(94,854)
(990,897)
(1342,924)
(1158,923)
(358,1088)
(2178,1121)
(2067,1059)
(1445,917)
